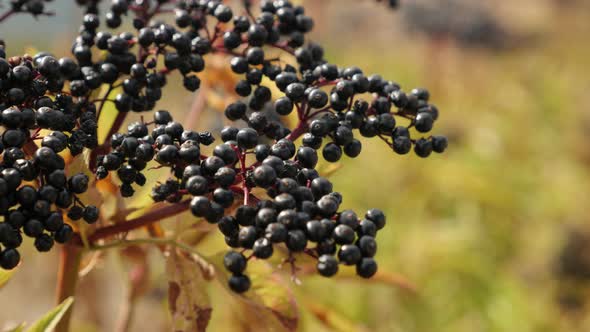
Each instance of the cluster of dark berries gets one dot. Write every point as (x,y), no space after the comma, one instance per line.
(302,208)
(26,106)
(68,124)
(304,224)
(168,143)
(260,170)
(299,209)
(328,99)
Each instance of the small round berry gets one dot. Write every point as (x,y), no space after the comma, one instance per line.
(317,98)
(368,246)
(307,157)
(239,283)
(296,240)
(366,268)
(44,243)
(327,265)
(9,259)
(264,176)
(262,248)
(276,232)
(316,231)
(402,145)
(439,144)
(247,138)
(423,148)
(247,236)
(349,254)
(377,217)
(64,234)
(200,206)
(90,214)
(283,106)
(344,234)
(234,262)
(78,183)
(332,152)
(424,122)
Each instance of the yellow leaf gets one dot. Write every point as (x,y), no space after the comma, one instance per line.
(269,302)
(108,113)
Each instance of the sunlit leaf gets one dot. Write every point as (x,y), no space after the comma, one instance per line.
(188,300)
(269,302)
(108,113)
(48,322)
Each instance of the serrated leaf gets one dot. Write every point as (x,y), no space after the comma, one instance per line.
(48,322)
(269,299)
(188,300)
(5,276)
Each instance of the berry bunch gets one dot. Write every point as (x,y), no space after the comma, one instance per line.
(70,125)
(302,207)
(259,185)
(304,224)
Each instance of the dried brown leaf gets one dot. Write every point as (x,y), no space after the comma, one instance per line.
(188,300)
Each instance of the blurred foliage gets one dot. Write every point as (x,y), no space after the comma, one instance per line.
(482,238)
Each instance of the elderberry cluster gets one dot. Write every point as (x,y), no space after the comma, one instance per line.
(301,212)
(259,185)
(168,144)
(69,125)
(304,219)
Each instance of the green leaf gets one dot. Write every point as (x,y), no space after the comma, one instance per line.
(188,300)
(48,322)
(5,276)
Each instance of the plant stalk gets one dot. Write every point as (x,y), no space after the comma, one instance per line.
(67,279)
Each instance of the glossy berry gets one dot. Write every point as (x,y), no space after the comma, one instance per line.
(366,267)
(349,254)
(327,265)
(239,283)
(9,259)
(234,262)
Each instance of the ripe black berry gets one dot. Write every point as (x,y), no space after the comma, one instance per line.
(239,283)
(327,265)
(234,262)
(366,268)
(349,254)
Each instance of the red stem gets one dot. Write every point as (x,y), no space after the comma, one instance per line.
(6,15)
(245,187)
(144,220)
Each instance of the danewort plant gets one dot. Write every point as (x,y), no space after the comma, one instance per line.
(259,185)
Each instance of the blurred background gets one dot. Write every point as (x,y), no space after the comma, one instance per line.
(491,236)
